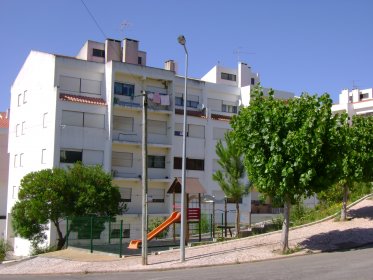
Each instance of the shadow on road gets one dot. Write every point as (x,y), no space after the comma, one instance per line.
(339,240)
(364,212)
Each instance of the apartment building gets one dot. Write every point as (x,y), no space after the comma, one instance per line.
(4,164)
(89,108)
(355,102)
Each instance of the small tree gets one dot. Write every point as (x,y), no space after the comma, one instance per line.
(355,151)
(233,171)
(288,147)
(51,195)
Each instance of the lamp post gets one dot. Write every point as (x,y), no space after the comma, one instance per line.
(182,41)
(144,247)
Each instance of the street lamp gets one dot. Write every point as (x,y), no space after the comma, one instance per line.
(182,41)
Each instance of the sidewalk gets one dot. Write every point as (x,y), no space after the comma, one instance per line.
(325,236)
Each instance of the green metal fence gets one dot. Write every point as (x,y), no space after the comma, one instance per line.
(97,234)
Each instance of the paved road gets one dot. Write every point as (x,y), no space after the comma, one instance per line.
(354,264)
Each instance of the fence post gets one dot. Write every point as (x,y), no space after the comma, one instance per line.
(67,232)
(120,238)
(91,234)
(222,223)
(211,228)
(109,230)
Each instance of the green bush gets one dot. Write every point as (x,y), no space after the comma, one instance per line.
(155,222)
(4,248)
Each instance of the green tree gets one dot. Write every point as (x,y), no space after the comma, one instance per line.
(355,151)
(232,173)
(51,195)
(287,147)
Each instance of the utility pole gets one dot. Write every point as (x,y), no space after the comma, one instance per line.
(144,247)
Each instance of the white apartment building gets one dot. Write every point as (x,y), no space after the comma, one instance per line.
(4,165)
(355,102)
(89,108)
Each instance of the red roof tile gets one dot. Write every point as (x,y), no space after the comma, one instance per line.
(4,121)
(82,99)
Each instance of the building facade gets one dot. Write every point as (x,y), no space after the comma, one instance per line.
(355,102)
(89,108)
(4,165)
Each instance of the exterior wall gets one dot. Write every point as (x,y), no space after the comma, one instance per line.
(4,165)
(87,78)
(32,126)
(355,102)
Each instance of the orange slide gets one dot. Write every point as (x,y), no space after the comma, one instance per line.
(174,218)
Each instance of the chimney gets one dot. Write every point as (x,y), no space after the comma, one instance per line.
(113,50)
(170,65)
(130,51)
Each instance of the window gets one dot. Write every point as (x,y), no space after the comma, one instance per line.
(218,133)
(17,130)
(21,158)
(156,195)
(179,101)
(122,159)
(115,233)
(192,101)
(196,131)
(15,192)
(214,104)
(229,108)
(15,161)
(157,127)
(227,76)
(156,162)
(72,118)
(139,60)
(69,156)
(364,96)
(83,119)
(125,194)
(193,130)
(23,128)
(93,157)
(98,53)
(123,124)
(191,164)
(43,156)
(94,120)
(25,97)
(90,86)
(19,99)
(192,104)
(124,89)
(69,84)
(45,120)
(252,81)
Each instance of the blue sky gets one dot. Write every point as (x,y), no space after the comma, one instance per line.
(300,46)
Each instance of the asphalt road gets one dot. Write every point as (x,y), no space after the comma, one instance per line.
(355,264)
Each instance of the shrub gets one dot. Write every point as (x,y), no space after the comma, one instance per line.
(4,248)
(155,222)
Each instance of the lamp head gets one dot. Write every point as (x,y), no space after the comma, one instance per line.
(181,40)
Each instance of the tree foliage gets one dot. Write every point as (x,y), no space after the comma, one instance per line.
(232,173)
(288,146)
(355,154)
(51,195)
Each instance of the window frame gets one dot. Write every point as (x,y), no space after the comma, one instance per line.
(98,53)
(125,89)
(153,159)
(71,151)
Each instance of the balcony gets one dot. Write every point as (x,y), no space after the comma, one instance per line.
(119,175)
(134,139)
(161,105)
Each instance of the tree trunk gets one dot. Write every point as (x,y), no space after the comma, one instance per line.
(237,219)
(344,203)
(285,226)
(61,239)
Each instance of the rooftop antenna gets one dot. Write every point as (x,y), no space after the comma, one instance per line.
(125,24)
(239,52)
(354,85)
